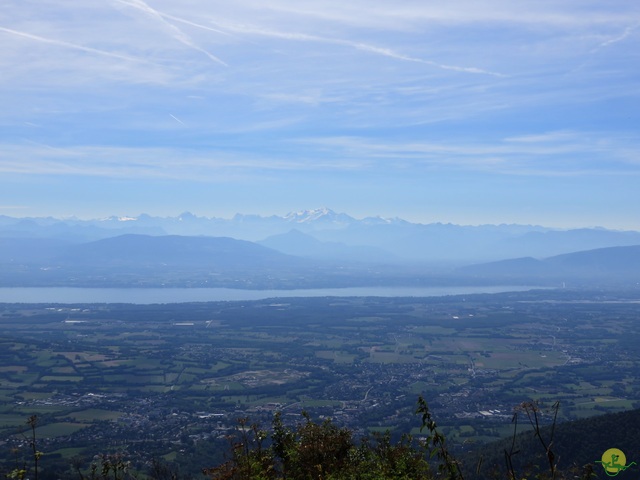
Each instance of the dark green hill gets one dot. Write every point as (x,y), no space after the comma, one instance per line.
(143,261)
(612,263)
(175,250)
(611,260)
(575,444)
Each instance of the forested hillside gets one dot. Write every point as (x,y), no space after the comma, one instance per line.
(573,445)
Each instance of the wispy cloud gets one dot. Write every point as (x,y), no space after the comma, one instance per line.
(14,207)
(82,48)
(401,15)
(619,38)
(561,152)
(373,49)
(545,138)
(152,162)
(178,34)
(354,92)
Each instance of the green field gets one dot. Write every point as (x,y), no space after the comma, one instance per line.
(130,375)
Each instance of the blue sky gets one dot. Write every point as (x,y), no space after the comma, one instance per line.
(467,112)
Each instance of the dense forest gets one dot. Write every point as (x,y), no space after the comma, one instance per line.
(322,450)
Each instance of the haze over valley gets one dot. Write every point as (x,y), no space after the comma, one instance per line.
(463,236)
(308,249)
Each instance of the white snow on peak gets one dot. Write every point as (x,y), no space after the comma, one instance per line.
(304,216)
(115,218)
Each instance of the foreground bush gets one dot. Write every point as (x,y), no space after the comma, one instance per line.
(319,451)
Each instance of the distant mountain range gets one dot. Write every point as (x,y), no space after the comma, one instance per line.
(309,248)
(604,264)
(328,234)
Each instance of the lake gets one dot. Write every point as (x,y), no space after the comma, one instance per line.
(145,296)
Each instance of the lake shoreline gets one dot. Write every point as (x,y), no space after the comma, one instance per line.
(146,296)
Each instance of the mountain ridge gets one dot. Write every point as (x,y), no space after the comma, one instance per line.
(391,238)
(295,259)
(620,263)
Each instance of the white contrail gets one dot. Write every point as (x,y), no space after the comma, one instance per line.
(177,33)
(303,37)
(390,53)
(176,119)
(74,46)
(193,24)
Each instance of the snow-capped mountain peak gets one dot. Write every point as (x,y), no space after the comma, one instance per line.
(323,214)
(116,219)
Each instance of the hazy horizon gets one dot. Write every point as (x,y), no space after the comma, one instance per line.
(126,218)
(468,113)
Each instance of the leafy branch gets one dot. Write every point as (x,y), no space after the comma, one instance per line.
(448,464)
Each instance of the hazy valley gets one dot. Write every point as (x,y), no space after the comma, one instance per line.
(166,381)
(310,249)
